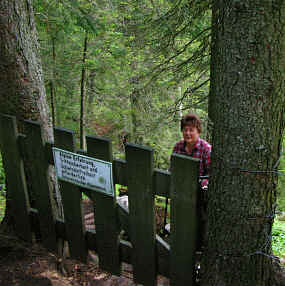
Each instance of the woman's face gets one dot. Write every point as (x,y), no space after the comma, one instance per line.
(190,134)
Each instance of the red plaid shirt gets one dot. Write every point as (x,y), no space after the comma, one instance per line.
(201,150)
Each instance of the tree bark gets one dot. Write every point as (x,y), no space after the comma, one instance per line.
(22,90)
(52,85)
(246,106)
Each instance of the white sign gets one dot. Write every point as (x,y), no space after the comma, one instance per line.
(89,173)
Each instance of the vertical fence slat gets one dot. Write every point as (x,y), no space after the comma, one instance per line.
(71,199)
(35,150)
(14,170)
(142,218)
(184,184)
(106,224)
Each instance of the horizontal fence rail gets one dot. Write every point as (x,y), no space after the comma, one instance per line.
(27,161)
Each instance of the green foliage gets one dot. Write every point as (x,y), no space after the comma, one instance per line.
(133,85)
(278,238)
(281,197)
(179,35)
(281,184)
(2,206)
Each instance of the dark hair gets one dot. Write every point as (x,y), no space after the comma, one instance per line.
(191,120)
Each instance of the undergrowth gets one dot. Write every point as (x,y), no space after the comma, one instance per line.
(278,237)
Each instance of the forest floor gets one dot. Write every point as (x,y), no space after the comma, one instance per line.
(25,265)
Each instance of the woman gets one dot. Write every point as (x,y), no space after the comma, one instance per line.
(192,145)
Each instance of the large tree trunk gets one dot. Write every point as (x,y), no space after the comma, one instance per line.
(53,85)
(22,91)
(246,106)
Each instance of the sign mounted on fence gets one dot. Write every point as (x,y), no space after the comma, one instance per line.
(86,172)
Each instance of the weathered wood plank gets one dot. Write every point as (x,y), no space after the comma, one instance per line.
(161,178)
(119,172)
(35,150)
(161,182)
(184,184)
(141,206)
(107,229)
(71,199)
(14,170)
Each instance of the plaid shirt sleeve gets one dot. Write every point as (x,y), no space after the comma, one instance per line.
(207,157)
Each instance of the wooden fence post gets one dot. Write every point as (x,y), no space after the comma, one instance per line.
(106,223)
(71,199)
(39,169)
(142,219)
(183,193)
(14,171)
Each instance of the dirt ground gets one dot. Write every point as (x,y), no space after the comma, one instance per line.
(25,265)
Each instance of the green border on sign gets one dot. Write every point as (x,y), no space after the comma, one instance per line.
(95,188)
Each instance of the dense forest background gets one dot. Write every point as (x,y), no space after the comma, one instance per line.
(123,69)
(127,70)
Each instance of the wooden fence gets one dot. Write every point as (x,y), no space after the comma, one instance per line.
(146,251)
